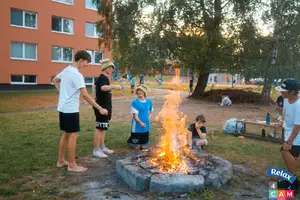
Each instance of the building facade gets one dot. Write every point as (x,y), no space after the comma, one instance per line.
(40,37)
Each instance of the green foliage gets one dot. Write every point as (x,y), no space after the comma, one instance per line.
(193,194)
(161,194)
(234,181)
(70,194)
(205,35)
(208,195)
(52,190)
(7,191)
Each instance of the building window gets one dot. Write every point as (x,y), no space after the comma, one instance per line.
(23,19)
(89,80)
(89,4)
(96,56)
(62,25)
(69,2)
(91,31)
(62,54)
(23,79)
(23,51)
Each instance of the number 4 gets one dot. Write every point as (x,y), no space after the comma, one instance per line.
(273,185)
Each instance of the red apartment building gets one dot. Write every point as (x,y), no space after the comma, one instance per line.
(40,37)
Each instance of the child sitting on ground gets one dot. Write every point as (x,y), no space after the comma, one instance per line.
(141,109)
(197,133)
(225,101)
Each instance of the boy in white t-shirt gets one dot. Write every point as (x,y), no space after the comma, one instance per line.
(70,84)
(291,122)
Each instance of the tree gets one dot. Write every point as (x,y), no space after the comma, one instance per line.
(195,33)
(273,56)
(205,35)
(122,23)
(284,53)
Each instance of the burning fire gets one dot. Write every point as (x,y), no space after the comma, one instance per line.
(170,157)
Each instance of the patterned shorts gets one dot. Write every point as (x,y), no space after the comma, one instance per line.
(102,121)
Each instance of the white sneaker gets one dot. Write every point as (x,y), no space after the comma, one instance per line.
(99,154)
(106,150)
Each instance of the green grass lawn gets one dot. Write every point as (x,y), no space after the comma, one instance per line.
(29,145)
(29,142)
(257,153)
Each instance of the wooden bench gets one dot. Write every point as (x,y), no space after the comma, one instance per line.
(259,136)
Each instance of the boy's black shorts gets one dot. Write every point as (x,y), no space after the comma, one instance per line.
(132,87)
(295,151)
(69,122)
(102,121)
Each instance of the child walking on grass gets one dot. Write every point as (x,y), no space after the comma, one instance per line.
(197,133)
(141,109)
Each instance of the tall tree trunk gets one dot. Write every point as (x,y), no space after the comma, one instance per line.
(212,29)
(271,64)
(265,94)
(269,77)
(201,85)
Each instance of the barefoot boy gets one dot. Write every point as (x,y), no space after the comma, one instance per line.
(70,84)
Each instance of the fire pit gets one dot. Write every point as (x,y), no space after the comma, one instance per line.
(172,167)
(207,171)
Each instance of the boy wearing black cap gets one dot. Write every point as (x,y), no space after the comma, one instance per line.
(290,150)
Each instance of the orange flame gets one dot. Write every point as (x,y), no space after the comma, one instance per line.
(175,83)
(169,158)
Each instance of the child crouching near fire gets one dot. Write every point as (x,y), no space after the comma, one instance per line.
(141,109)
(197,134)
